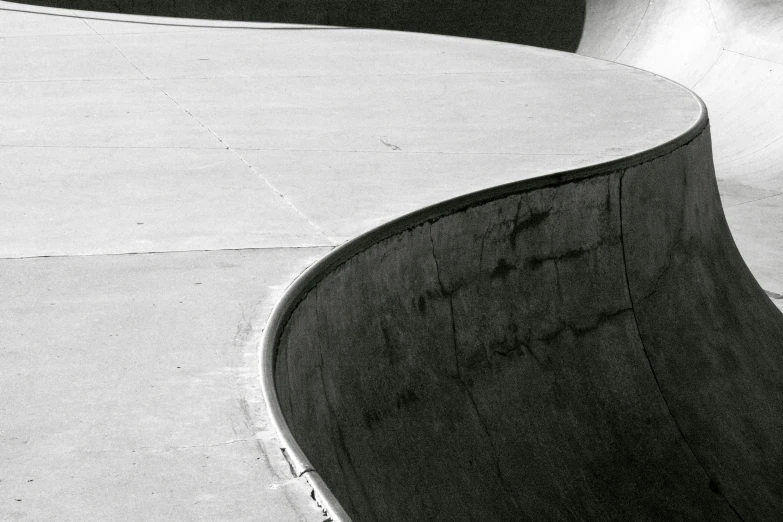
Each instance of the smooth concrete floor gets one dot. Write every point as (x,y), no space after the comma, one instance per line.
(162,184)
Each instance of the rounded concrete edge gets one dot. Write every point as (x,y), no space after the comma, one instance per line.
(309,278)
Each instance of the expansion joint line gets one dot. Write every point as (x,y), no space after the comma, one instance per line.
(708,71)
(714,22)
(712,482)
(219,139)
(722,47)
(641,21)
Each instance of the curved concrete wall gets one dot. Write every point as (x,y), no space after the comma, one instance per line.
(582,348)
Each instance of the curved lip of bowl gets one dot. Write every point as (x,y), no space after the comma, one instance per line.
(310,277)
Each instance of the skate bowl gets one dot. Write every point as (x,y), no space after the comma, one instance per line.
(586,344)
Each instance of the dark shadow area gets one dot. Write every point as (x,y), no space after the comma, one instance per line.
(554,24)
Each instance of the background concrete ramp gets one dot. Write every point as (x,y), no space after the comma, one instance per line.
(675,39)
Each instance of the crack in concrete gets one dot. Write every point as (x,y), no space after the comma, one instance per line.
(776,194)
(481,251)
(754,57)
(678,242)
(67,80)
(751,153)
(535,262)
(463,385)
(152,449)
(712,483)
(579,331)
(392,146)
(248,26)
(714,21)
(558,281)
(641,20)
(697,82)
(432,152)
(225,145)
(106,147)
(662,273)
(533,219)
(338,437)
(199,446)
(155,252)
(722,47)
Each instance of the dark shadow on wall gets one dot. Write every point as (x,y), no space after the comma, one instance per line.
(554,24)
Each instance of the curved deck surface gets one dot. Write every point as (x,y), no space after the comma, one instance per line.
(235,202)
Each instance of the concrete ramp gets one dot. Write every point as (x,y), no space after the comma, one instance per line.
(579,348)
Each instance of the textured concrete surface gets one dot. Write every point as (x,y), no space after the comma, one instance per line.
(130,388)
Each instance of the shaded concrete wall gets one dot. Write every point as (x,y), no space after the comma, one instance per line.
(590,350)
(556,24)
(713,337)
